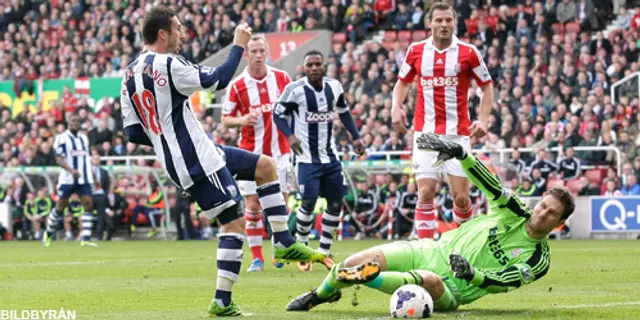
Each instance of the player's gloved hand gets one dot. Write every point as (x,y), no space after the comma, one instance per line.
(447,149)
(460,267)
(295,144)
(358,147)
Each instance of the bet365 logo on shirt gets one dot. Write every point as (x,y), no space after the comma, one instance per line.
(439,81)
(262,108)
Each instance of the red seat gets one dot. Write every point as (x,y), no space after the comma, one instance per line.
(419,35)
(404,35)
(573,185)
(572,27)
(390,35)
(389,44)
(339,38)
(555,183)
(594,176)
(557,28)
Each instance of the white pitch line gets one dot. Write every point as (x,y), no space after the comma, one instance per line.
(109,262)
(598,305)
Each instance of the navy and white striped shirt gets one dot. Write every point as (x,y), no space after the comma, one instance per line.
(155,94)
(76,153)
(311,114)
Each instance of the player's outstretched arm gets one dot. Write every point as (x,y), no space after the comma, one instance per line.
(506,279)
(499,198)
(189,78)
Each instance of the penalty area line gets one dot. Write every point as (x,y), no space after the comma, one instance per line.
(598,305)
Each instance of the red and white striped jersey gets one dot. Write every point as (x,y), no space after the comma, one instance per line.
(247,94)
(443,80)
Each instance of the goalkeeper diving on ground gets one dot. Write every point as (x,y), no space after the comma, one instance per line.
(495,253)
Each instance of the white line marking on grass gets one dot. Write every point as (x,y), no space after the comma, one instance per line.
(107,262)
(598,305)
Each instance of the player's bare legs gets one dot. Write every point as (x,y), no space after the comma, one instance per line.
(426,214)
(87,220)
(462,208)
(368,267)
(274,206)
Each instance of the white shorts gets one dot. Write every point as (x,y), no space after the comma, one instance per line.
(283,163)
(423,160)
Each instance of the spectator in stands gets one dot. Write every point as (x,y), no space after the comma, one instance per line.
(394,144)
(569,166)
(100,189)
(403,17)
(116,205)
(585,14)
(611,189)
(631,187)
(404,212)
(543,164)
(527,189)
(539,181)
(365,213)
(566,11)
(152,207)
(588,188)
(626,147)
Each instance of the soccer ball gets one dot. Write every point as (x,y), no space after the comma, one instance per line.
(411,301)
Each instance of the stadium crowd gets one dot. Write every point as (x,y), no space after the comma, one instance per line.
(551,63)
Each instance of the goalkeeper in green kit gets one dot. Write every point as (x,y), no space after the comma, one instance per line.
(495,253)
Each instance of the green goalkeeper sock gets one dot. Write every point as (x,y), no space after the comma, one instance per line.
(330,285)
(389,281)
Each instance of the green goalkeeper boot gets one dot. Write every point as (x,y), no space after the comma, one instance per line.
(231,310)
(298,252)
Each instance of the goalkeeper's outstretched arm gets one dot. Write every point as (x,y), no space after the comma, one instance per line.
(492,187)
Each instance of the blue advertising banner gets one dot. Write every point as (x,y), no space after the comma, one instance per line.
(620,214)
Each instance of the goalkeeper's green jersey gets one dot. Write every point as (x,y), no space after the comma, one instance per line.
(497,245)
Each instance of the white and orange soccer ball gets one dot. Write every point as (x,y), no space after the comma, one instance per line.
(411,301)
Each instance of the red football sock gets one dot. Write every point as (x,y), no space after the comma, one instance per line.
(462,215)
(425,220)
(254,227)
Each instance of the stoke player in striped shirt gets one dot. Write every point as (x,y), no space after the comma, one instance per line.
(249,105)
(443,67)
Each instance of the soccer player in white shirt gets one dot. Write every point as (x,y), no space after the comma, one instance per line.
(157,111)
(249,104)
(73,155)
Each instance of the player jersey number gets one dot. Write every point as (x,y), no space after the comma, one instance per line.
(146,106)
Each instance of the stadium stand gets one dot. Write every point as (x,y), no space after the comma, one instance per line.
(552,75)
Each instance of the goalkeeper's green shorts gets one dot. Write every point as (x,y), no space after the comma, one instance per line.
(424,255)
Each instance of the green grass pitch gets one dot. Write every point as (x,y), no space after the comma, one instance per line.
(175,280)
